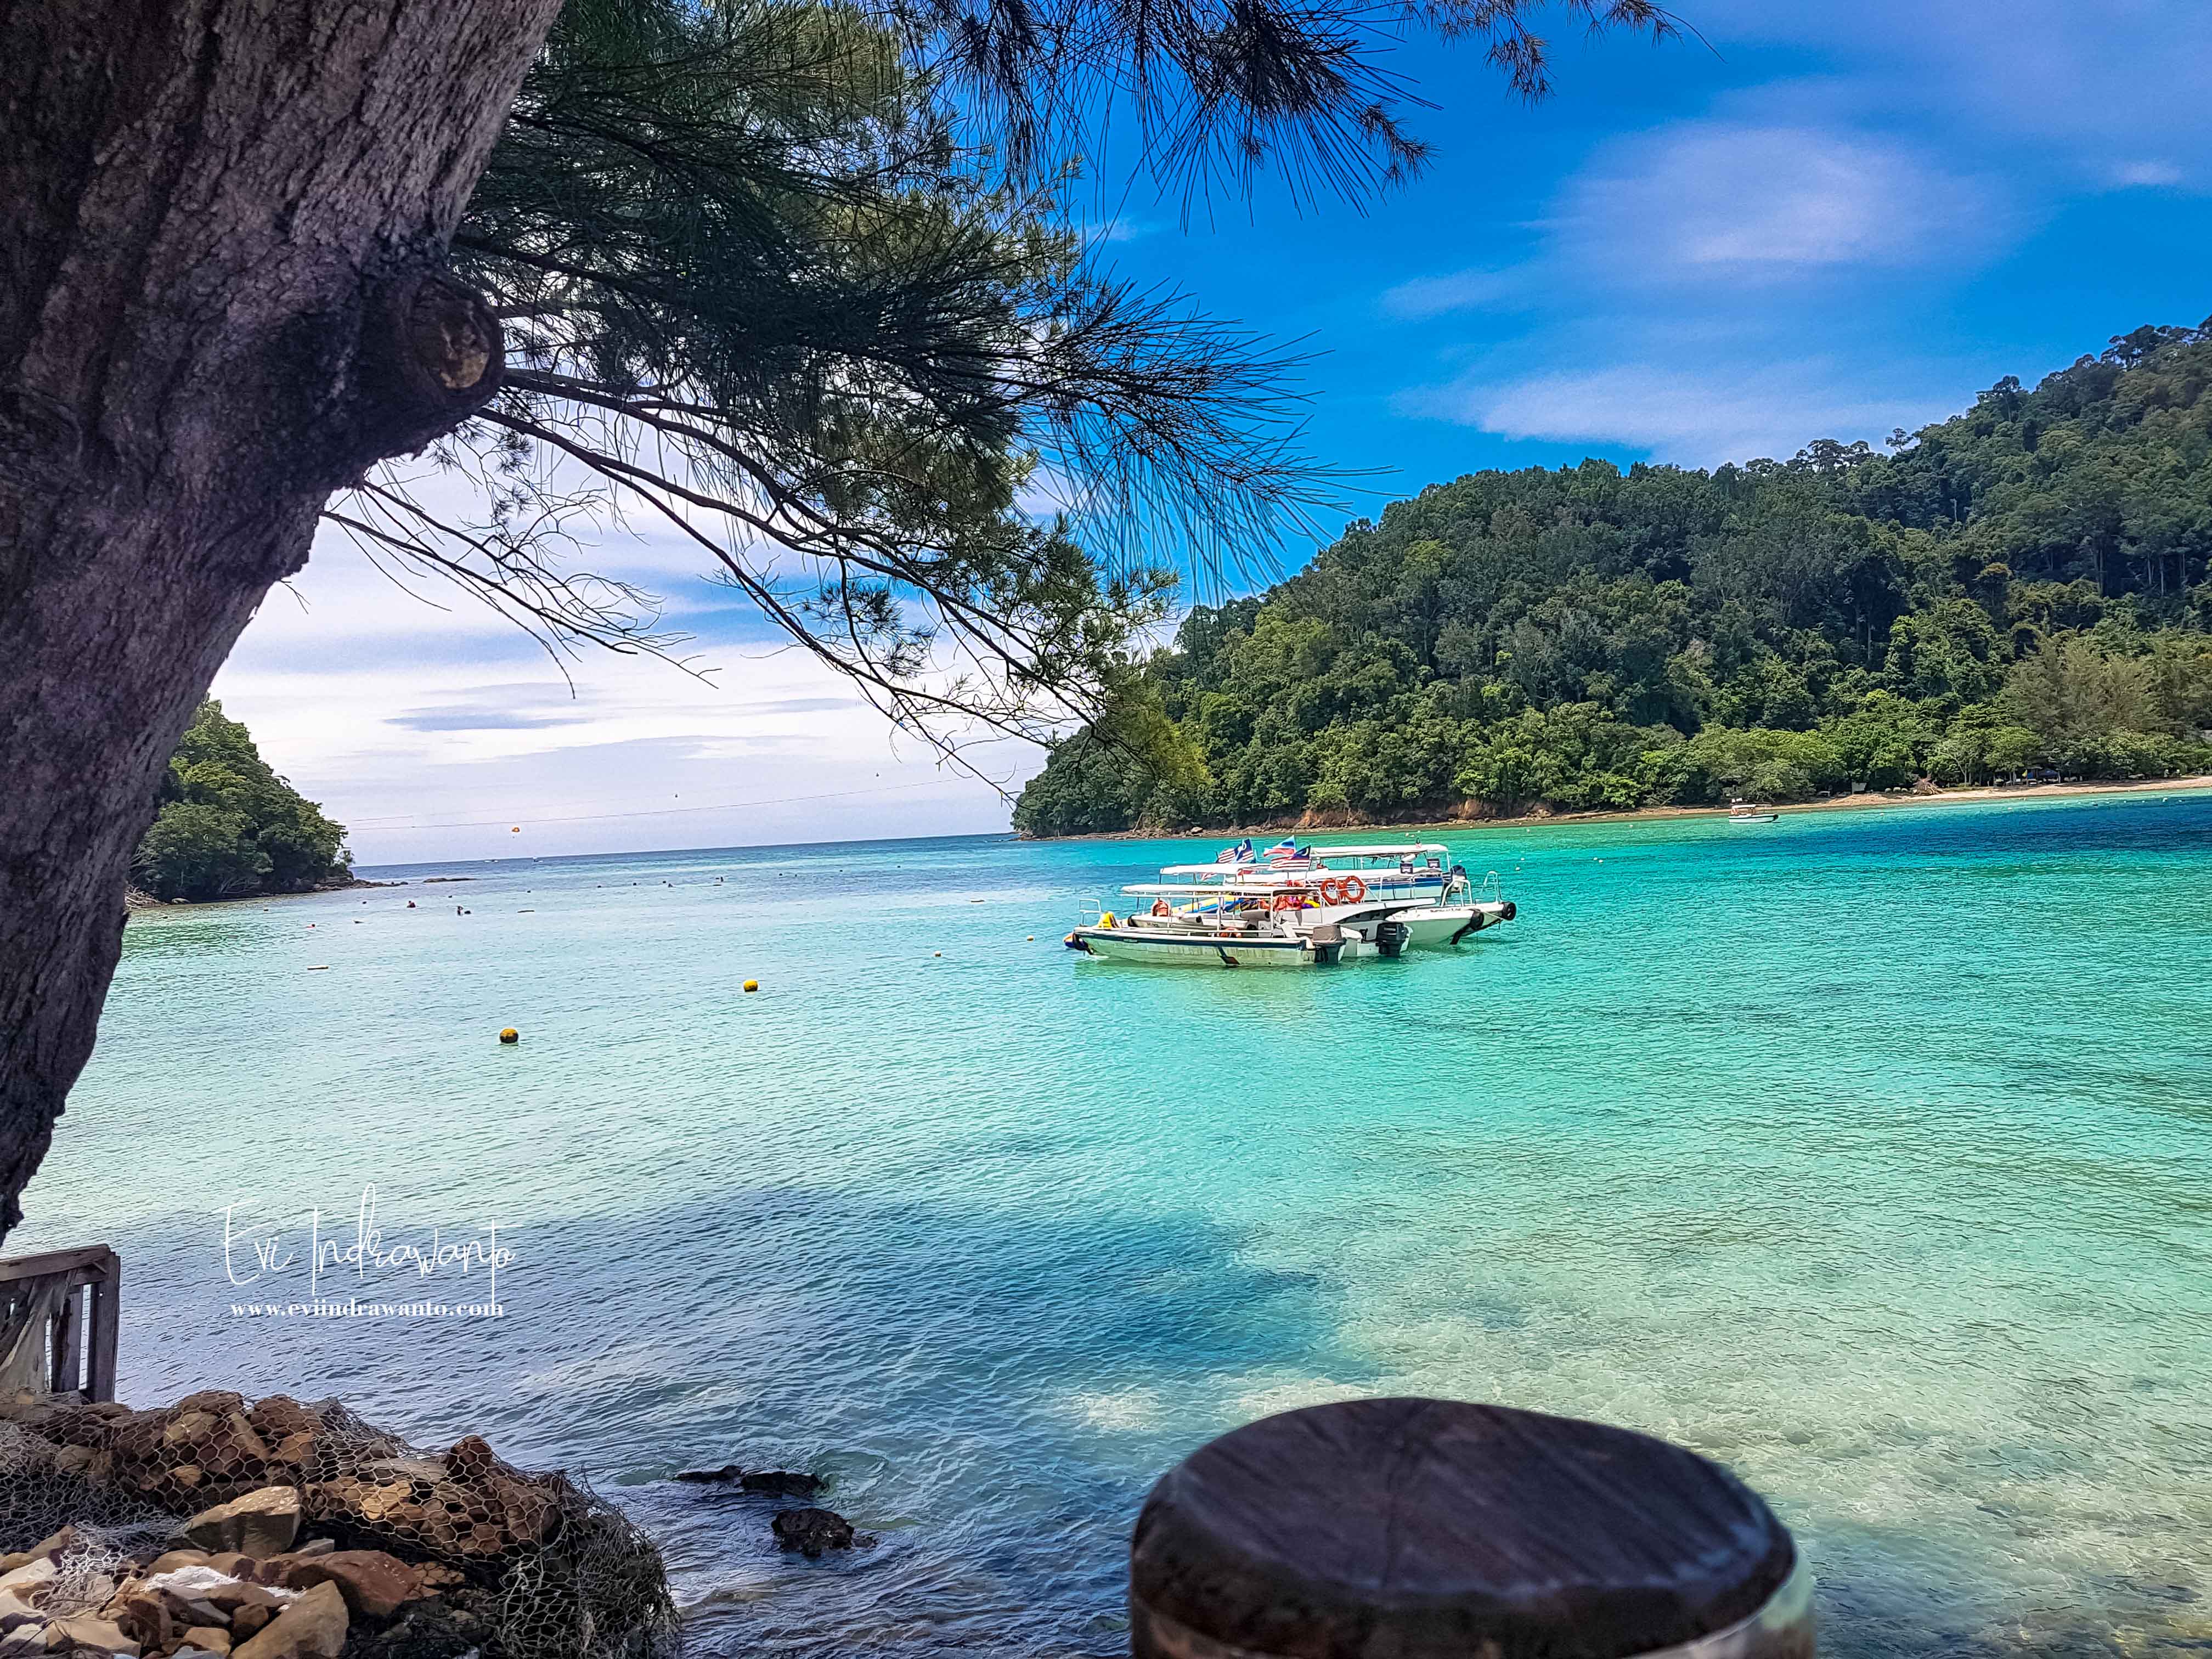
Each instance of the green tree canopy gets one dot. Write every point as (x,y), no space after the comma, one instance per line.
(228,826)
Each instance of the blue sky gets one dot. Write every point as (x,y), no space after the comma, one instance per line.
(1822,221)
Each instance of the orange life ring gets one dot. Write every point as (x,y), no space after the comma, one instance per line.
(1330,888)
(1352,889)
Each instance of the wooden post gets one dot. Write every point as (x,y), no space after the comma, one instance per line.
(62,1344)
(1434,1529)
(106,1293)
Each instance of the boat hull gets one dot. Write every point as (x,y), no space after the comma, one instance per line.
(1194,949)
(1430,928)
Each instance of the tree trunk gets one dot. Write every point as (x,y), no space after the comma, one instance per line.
(220,226)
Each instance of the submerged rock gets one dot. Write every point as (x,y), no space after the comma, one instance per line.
(784,1483)
(811,1531)
(727,1472)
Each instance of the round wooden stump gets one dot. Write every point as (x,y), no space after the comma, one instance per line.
(1433,1529)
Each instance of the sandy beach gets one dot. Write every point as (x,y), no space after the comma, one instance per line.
(1319,824)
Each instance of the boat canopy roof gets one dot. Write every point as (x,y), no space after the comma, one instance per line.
(1387,850)
(1252,889)
(1319,856)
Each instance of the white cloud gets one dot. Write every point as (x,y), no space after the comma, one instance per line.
(1460,290)
(1696,416)
(1712,290)
(2148,174)
(431,732)
(1124,228)
(1762,203)
(2090,86)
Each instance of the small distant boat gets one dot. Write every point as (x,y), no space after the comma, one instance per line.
(1750,812)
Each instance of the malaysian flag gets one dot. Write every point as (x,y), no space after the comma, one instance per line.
(1287,851)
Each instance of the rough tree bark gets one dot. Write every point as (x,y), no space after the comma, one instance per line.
(222,227)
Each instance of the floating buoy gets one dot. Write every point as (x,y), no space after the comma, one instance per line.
(937,953)
(1033,939)
(510,1035)
(516,830)
(752,985)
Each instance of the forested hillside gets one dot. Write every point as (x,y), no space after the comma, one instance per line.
(2022,587)
(230,826)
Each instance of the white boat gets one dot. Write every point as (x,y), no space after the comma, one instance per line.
(1746,812)
(1311,908)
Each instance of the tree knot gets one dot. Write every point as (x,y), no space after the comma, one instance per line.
(431,356)
(453,333)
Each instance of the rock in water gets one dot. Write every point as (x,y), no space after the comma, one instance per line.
(313,1627)
(784,1483)
(262,1524)
(727,1472)
(811,1531)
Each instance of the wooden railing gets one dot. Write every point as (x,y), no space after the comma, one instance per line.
(59,1320)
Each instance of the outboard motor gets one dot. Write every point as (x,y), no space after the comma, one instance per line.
(1390,937)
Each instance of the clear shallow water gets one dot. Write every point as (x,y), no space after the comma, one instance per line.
(1870,1152)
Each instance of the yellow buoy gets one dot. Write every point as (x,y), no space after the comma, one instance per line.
(510,1035)
(752,985)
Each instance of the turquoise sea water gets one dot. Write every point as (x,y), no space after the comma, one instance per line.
(1870,1152)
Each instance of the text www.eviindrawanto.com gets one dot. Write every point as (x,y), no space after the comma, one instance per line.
(353,1307)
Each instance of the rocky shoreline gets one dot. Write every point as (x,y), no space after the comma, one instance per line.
(137,899)
(213,1529)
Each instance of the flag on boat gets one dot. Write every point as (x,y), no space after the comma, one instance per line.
(1286,850)
(1240,854)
